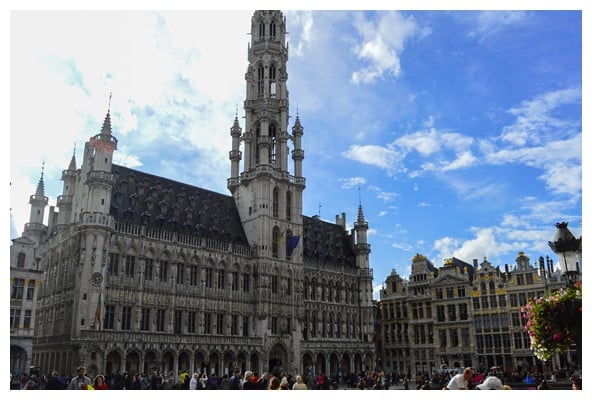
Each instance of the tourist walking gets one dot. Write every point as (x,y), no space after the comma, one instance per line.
(79,382)
(299,385)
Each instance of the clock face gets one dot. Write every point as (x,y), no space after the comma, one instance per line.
(97,278)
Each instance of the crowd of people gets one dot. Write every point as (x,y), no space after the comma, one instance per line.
(466,379)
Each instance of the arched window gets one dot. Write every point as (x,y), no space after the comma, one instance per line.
(272,29)
(276,238)
(289,205)
(275,202)
(260,80)
(261,30)
(272,81)
(287,246)
(257,136)
(273,139)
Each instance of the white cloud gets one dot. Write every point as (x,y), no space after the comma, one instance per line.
(305,21)
(386,196)
(126,160)
(561,162)
(488,23)
(431,141)
(483,244)
(535,121)
(378,156)
(382,195)
(464,160)
(348,183)
(382,42)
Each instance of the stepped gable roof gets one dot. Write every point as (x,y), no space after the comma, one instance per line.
(326,242)
(144,199)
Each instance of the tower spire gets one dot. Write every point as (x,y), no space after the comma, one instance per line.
(360,210)
(41,184)
(72,166)
(106,129)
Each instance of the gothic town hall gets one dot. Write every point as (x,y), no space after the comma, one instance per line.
(138,272)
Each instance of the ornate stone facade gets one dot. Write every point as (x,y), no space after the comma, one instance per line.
(143,273)
(462,315)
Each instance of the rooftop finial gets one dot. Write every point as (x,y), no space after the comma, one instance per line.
(109,107)
(359,194)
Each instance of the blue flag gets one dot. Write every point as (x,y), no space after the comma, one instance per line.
(292,243)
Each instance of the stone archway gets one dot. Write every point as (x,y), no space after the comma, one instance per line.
(168,363)
(18,360)
(345,364)
(333,364)
(132,362)
(369,362)
(278,358)
(199,363)
(321,364)
(358,366)
(242,362)
(151,362)
(254,361)
(307,364)
(113,362)
(184,362)
(214,363)
(227,364)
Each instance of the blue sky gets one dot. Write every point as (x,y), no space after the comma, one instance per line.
(459,131)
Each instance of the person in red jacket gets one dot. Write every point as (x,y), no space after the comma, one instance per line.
(99,383)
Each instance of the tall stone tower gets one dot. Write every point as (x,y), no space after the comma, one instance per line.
(267,196)
(95,222)
(35,229)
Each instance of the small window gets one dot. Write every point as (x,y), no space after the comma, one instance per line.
(20,261)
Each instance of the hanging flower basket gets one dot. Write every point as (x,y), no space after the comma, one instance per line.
(554,322)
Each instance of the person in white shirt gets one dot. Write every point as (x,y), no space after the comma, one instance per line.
(203,380)
(460,381)
(194,381)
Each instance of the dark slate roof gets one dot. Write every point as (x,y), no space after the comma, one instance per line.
(456,262)
(326,242)
(144,199)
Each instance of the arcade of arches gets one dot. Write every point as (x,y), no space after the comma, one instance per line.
(173,362)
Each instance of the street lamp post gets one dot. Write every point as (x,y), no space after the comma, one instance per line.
(567,248)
